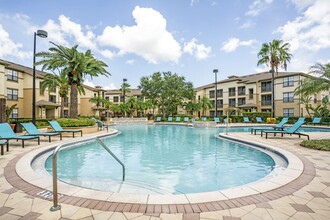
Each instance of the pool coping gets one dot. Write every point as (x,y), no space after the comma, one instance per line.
(19,173)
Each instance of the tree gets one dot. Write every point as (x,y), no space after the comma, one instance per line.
(205,104)
(166,90)
(317,81)
(76,65)
(124,89)
(98,100)
(274,54)
(131,105)
(192,107)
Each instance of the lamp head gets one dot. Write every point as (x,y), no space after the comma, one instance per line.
(125,80)
(215,70)
(42,33)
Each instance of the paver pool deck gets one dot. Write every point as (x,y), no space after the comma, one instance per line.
(307,197)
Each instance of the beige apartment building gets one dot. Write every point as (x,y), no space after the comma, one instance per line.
(253,93)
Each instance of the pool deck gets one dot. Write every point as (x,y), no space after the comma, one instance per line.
(307,197)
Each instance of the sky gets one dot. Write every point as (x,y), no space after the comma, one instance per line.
(137,38)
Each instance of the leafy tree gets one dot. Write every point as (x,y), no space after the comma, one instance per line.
(192,107)
(306,100)
(131,105)
(124,89)
(98,100)
(76,65)
(166,90)
(205,104)
(274,54)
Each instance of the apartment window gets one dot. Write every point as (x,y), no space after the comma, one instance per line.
(232,91)
(211,94)
(232,102)
(115,99)
(288,81)
(266,86)
(14,113)
(121,98)
(52,98)
(220,103)
(213,103)
(288,97)
(107,98)
(66,102)
(219,93)
(241,90)
(66,113)
(12,94)
(220,112)
(250,93)
(266,100)
(240,101)
(315,99)
(53,90)
(288,112)
(12,75)
(212,114)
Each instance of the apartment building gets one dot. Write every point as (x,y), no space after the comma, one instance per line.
(253,93)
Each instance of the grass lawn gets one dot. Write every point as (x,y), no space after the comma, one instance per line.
(323,144)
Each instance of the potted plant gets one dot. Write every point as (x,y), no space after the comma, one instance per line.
(9,110)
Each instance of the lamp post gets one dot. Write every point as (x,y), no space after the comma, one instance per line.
(124,89)
(42,34)
(215,71)
(273,92)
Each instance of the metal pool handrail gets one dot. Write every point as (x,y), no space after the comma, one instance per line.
(56,206)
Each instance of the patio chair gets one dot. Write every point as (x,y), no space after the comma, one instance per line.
(291,130)
(32,130)
(316,121)
(216,120)
(225,121)
(246,120)
(101,125)
(186,119)
(259,119)
(2,143)
(158,119)
(7,133)
(279,126)
(178,119)
(57,128)
(203,118)
(169,118)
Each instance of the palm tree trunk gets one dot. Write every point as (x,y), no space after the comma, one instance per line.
(74,100)
(62,107)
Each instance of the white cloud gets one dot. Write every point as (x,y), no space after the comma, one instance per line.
(233,43)
(247,25)
(302,4)
(107,53)
(130,62)
(148,38)
(9,47)
(310,31)
(200,51)
(192,2)
(111,86)
(257,6)
(55,33)
(87,82)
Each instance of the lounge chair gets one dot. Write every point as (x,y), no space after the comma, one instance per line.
(158,119)
(259,119)
(178,119)
(2,143)
(32,130)
(316,121)
(101,125)
(203,118)
(291,130)
(279,126)
(186,119)
(169,118)
(225,121)
(7,133)
(57,128)
(217,120)
(246,120)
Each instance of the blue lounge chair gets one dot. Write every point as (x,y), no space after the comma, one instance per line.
(169,118)
(316,121)
(217,120)
(178,119)
(291,130)
(186,119)
(225,121)
(32,130)
(203,118)
(158,119)
(279,126)
(246,120)
(2,143)
(259,119)
(7,133)
(57,128)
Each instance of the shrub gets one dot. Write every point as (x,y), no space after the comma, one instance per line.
(317,144)
(75,122)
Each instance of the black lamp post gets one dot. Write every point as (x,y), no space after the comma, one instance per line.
(273,93)
(124,89)
(42,34)
(215,71)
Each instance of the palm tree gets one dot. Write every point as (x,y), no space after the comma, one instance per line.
(76,65)
(192,107)
(98,100)
(274,54)
(205,104)
(317,81)
(124,89)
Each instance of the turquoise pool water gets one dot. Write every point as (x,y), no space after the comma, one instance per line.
(163,160)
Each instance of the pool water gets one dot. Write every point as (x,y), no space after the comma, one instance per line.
(163,160)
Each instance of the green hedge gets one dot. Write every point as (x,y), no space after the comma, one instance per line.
(75,122)
(317,144)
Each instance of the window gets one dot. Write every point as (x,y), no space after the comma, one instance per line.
(212,114)
(288,81)
(288,97)
(12,94)
(266,100)
(220,113)
(315,98)
(52,98)
(241,90)
(250,93)
(232,91)
(53,90)
(122,99)
(107,98)
(219,93)
(232,102)
(115,99)
(266,86)
(12,75)
(14,113)
(66,113)
(220,103)
(240,101)
(288,112)
(66,102)
(211,94)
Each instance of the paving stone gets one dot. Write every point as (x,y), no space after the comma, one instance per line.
(301,208)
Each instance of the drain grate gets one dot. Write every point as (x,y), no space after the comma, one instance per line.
(47,194)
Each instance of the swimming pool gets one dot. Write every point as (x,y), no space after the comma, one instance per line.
(165,160)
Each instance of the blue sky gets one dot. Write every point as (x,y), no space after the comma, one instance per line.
(188,37)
